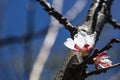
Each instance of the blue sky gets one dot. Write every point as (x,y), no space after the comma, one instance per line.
(15,22)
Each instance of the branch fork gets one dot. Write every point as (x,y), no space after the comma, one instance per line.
(74,67)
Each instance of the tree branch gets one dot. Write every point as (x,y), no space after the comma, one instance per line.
(110,20)
(96,19)
(109,45)
(102,70)
(114,23)
(58,16)
(94,22)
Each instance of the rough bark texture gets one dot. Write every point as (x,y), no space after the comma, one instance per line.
(73,68)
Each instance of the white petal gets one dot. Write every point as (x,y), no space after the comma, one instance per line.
(101,66)
(69,43)
(83,33)
(105,57)
(91,39)
(106,61)
(79,40)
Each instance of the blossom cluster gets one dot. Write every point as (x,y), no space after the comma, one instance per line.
(83,43)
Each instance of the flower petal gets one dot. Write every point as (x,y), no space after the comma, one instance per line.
(102,60)
(101,55)
(69,43)
(79,40)
(91,39)
(106,63)
(83,33)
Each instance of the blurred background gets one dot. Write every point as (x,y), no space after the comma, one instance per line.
(31,41)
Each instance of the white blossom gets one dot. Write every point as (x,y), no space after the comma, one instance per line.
(102,60)
(81,40)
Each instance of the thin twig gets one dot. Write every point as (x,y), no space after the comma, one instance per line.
(102,70)
(114,23)
(109,45)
